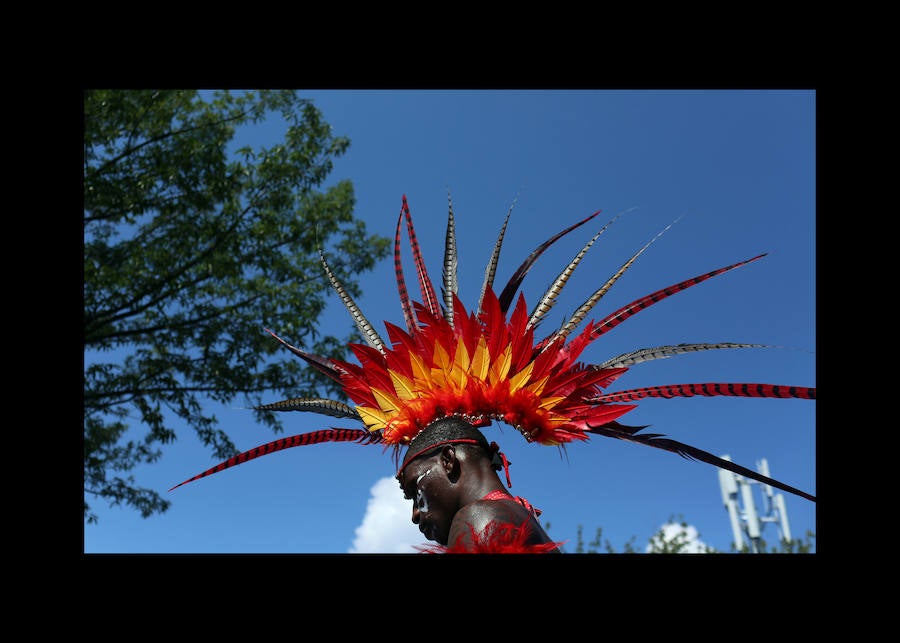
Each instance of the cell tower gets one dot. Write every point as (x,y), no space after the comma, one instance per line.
(737,494)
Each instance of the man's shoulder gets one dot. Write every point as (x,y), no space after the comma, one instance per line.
(481,512)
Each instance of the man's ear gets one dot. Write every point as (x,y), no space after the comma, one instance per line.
(450,462)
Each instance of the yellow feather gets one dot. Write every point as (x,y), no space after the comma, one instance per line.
(421,374)
(519,380)
(538,387)
(480,360)
(404,386)
(441,357)
(438,379)
(549,402)
(500,367)
(388,403)
(461,357)
(459,371)
(372,417)
(459,378)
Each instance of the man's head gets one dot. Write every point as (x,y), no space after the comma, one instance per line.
(431,470)
(452,429)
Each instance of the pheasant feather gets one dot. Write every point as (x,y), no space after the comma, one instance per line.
(314,437)
(317,405)
(549,298)
(368,332)
(491,269)
(450,263)
(509,291)
(660,352)
(731,389)
(658,441)
(405,304)
(616,318)
(586,307)
(428,296)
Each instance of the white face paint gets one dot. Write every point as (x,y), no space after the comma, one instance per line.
(421,500)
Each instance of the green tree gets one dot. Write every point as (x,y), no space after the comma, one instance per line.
(190,248)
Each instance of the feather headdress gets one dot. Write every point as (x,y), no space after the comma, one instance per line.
(485,364)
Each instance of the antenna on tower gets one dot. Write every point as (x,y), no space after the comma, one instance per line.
(737,495)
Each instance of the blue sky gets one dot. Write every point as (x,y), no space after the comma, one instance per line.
(738,171)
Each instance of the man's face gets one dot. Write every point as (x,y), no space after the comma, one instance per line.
(425,482)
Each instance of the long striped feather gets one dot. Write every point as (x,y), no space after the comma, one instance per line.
(586,307)
(491,269)
(693,453)
(708,389)
(367,330)
(313,405)
(405,304)
(616,318)
(428,296)
(660,352)
(509,291)
(314,437)
(450,262)
(549,298)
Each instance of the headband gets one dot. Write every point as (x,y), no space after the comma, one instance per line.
(486,366)
(434,446)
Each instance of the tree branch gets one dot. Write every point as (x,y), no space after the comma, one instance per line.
(164,136)
(170,325)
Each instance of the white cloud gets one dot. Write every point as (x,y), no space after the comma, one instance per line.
(672,532)
(386,528)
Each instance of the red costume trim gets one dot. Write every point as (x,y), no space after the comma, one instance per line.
(499,494)
(497,538)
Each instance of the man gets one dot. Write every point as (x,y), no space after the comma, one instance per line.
(450,474)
